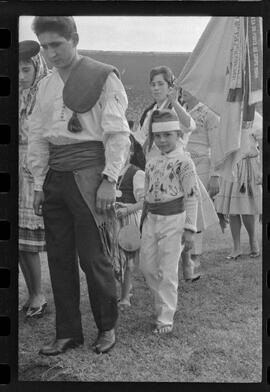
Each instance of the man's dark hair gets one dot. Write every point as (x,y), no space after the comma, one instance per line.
(62,25)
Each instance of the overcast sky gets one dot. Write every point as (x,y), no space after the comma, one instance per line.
(122,33)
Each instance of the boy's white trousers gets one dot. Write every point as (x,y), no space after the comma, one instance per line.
(159,257)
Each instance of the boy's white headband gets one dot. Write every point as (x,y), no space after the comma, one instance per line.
(167,126)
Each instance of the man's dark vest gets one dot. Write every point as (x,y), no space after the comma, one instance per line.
(84,85)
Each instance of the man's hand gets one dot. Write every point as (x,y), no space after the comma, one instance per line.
(38,202)
(188,239)
(106,196)
(213,186)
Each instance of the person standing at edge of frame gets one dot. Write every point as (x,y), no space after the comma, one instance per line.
(79,139)
(32,68)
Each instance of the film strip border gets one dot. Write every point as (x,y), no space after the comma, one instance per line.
(9,193)
(8,207)
(266,195)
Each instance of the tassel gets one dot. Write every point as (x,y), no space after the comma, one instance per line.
(143,215)
(242,188)
(104,239)
(74,124)
(108,234)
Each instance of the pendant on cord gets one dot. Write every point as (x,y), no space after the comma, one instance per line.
(74,124)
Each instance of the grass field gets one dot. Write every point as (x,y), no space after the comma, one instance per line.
(217,334)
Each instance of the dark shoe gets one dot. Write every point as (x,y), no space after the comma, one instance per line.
(189,273)
(105,342)
(59,346)
(36,312)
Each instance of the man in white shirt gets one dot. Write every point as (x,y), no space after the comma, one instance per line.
(78,140)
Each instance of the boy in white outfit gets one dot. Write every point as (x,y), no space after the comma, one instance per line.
(169,216)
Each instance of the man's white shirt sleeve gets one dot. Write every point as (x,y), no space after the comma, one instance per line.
(38,147)
(115,127)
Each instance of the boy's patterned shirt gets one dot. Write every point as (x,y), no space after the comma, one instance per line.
(170,176)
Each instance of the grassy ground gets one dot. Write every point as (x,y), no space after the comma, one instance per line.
(217,334)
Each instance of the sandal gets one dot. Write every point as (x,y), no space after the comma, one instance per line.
(254,254)
(36,312)
(124,303)
(163,329)
(189,274)
(193,278)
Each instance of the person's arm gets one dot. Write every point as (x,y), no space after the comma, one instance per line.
(115,139)
(37,155)
(115,127)
(185,119)
(257,134)
(187,177)
(138,191)
(38,147)
(212,124)
(257,130)
(190,186)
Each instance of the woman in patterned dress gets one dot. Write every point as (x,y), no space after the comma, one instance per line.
(201,144)
(32,68)
(241,198)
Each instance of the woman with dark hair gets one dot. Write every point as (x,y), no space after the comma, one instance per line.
(201,145)
(32,68)
(163,92)
(241,196)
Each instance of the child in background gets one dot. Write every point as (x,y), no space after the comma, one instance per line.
(241,198)
(169,215)
(129,202)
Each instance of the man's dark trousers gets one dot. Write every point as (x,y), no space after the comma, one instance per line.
(70,226)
